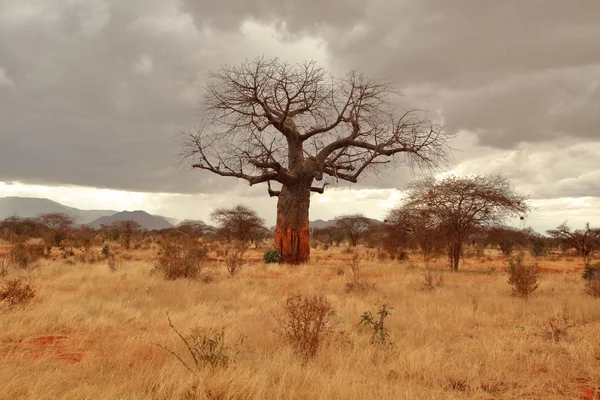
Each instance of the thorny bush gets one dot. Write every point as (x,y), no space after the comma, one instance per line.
(25,255)
(304,322)
(15,292)
(205,348)
(180,258)
(523,278)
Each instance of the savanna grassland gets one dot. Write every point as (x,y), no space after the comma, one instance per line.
(94,332)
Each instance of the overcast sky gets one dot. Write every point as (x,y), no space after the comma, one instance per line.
(93,94)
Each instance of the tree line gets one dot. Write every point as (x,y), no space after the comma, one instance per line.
(448,217)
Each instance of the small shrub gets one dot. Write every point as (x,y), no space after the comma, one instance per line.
(14,292)
(180,258)
(234,259)
(432,278)
(522,278)
(66,252)
(591,271)
(357,284)
(381,255)
(272,257)
(205,349)
(25,255)
(539,247)
(380,333)
(555,327)
(398,254)
(506,246)
(105,252)
(592,285)
(304,323)
(114,263)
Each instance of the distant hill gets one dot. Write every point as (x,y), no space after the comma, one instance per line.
(146,221)
(28,207)
(320,224)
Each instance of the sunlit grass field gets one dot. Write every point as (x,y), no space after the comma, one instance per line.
(93,333)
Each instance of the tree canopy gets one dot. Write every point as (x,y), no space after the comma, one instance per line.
(458,205)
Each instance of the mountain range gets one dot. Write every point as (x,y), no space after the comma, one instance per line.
(28,207)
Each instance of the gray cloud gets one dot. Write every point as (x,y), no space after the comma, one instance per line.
(93,92)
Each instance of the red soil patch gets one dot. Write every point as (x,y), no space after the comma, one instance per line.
(46,340)
(51,347)
(250,260)
(558,271)
(588,393)
(5,251)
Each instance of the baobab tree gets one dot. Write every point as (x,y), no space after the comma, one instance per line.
(267,121)
(457,206)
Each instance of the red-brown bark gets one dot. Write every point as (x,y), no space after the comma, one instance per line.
(292,234)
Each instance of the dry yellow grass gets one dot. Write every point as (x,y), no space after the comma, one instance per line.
(469,339)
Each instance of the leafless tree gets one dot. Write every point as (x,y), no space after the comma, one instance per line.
(353,226)
(584,241)
(459,205)
(267,121)
(240,223)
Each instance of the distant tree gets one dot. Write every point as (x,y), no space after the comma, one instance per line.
(267,121)
(408,226)
(506,238)
(328,236)
(57,226)
(124,231)
(17,229)
(130,229)
(457,206)
(239,223)
(353,226)
(584,241)
(191,228)
(83,238)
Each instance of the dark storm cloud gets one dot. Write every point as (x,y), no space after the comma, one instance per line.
(296,17)
(93,92)
(100,90)
(510,71)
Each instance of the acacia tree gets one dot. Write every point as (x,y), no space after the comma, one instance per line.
(267,121)
(406,224)
(584,241)
(353,226)
(57,226)
(240,223)
(193,229)
(459,206)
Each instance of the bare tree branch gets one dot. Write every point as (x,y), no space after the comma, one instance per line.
(267,120)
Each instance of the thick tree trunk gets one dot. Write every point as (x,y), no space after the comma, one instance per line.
(292,235)
(454,253)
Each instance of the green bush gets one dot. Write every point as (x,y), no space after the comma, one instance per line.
(272,257)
